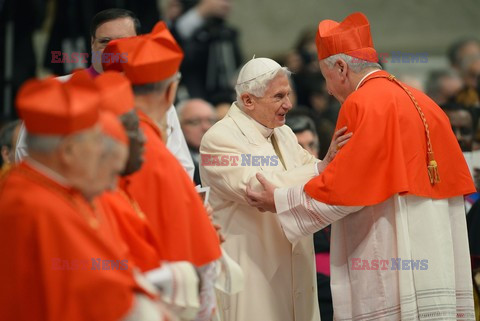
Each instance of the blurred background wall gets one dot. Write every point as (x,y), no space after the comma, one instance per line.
(269,27)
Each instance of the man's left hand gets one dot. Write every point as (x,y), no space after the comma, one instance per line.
(263,200)
(217,227)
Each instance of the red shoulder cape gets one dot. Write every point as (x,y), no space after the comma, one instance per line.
(47,248)
(387,153)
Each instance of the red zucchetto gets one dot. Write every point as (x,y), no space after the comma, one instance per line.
(351,37)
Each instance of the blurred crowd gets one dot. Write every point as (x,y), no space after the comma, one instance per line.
(212,58)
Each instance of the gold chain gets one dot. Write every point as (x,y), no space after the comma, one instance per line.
(134,204)
(432,165)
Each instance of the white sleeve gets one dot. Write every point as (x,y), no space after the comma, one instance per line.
(178,282)
(162,278)
(21,148)
(176,142)
(300,215)
(230,277)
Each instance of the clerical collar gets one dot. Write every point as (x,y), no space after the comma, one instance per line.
(265,131)
(368,74)
(50,173)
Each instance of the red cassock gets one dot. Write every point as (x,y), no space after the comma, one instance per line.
(387,153)
(49,241)
(168,198)
(134,230)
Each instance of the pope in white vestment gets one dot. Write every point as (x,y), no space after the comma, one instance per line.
(280,282)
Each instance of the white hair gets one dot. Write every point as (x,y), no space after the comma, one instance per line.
(159,86)
(258,86)
(355,64)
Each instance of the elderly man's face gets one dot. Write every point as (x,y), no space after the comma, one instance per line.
(462,126)
(270,110)
(197,117)
(82,155)
(111,165)
(106,32)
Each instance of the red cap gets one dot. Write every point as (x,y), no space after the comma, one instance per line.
(351,37)
(116,92)
(112,127)
(150,58)
(50,107)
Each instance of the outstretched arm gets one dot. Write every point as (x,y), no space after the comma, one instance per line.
(299,214)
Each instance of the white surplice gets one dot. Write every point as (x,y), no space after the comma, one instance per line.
(279,277)
(425,274)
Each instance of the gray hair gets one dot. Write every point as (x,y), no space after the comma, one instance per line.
(42,143)
(48,143)
(159,86)
(355,64)
(258,86)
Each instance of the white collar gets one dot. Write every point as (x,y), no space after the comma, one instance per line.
(265,131)
(47,171)
(368,74)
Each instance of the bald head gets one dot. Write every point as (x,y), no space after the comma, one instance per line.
(196,116)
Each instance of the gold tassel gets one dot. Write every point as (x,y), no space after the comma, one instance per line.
(432,169)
